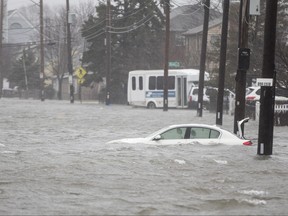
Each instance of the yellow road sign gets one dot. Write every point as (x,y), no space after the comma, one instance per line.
(81,81)
(80,72)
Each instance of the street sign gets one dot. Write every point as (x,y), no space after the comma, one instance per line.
(264,81)
(80,72)
(81,81)
(174,64)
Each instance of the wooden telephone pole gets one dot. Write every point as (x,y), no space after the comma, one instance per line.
(222,65)
(42,97)
(243,64)
(203,57)
(166,61)
(267,99)
(1,46)
(108,51)
(69,53)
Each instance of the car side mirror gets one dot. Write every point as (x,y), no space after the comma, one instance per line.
(158,137)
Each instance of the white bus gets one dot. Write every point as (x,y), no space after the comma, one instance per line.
(145,87)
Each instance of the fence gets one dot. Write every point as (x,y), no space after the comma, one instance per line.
(280,114)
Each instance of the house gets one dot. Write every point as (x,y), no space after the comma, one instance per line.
(19,30)
(185,21)
(18,34)
(193,42)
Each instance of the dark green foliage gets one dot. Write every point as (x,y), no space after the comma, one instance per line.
(136,41)
(17,76)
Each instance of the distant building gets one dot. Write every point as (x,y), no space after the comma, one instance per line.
(19,30)
(186,26)
(193,40)
(18,34)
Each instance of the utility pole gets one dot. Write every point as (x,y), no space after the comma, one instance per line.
(1,46)
(25,70)
(267,99)
(222,65)
(108,51)
(243,64)
(41,53)
(167,41)
(69,53)
(203,57)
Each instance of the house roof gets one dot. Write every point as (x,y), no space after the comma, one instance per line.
(25,33)
(200,28)
(188,17)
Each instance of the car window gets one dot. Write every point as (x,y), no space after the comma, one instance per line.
(203,133)
(211,91)
(248,91)
(195,91)
(175,133)
(258,92)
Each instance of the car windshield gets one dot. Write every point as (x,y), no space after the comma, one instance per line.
(195,91)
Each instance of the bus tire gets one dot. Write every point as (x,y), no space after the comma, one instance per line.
(151,105)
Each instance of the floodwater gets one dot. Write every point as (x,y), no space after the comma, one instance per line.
(55,160)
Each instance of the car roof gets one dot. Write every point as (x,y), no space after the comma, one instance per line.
(192,125)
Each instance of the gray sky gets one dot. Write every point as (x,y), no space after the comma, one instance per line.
(13,4)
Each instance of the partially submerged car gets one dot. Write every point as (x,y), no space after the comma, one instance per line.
(253,94)
(190,134)
(209,94)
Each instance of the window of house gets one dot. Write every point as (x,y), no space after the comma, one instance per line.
(179,40)
(15,26)
(214,39)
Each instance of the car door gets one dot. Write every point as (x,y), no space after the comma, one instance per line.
(178,135)
(204,136)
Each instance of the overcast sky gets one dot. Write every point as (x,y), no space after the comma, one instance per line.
(13,4)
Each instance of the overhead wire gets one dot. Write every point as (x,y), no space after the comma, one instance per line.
(127,31)
(121,30)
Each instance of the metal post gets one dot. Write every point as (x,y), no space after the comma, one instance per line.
(167,40)
(267,99)
(203,57)
(42,97)
(69,53)
(108,51)
(222,65)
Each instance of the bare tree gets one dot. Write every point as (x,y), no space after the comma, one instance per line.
(56,37)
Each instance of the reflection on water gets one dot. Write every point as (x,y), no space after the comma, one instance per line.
(54,160)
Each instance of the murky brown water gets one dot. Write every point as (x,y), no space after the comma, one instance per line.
(54,160)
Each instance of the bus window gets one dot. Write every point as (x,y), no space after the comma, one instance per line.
(171,82)
(140,83)
(160,82)
(133,83)
(152,83)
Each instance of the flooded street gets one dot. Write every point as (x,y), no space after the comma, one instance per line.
(55,160)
